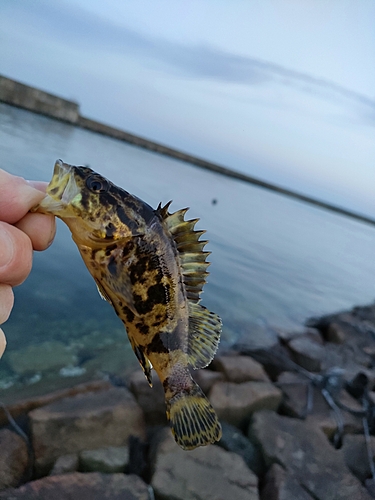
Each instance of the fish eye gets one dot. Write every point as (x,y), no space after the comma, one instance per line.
(97,184)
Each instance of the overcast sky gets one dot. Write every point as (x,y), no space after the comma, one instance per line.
(282,89)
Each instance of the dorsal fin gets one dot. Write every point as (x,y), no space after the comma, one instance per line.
(190,249)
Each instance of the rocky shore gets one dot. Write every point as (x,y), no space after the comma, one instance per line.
(298,417)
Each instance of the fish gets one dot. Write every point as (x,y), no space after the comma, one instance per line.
(150,265)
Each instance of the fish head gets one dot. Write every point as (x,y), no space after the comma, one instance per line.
(96,211)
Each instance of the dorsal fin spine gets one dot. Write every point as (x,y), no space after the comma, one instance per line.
(190,249)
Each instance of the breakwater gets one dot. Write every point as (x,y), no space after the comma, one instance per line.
(38,101)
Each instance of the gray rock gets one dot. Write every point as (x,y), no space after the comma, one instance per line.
(240,369)
(50,355)
(312,333)
(253,337)
(355,455)
(279,485)
(307,353)
(20,404)
(234,403)
(78,486)
(206,472)
(150,399)
(335,333)
(13,458)
(294,404)
(305,453)
(233,440)
(109,460)
(206,379)
(85,421)
(65,464)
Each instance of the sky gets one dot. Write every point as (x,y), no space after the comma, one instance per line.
(283,90)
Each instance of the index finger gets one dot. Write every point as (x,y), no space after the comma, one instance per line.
(17,196)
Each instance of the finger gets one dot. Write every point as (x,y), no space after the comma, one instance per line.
(15,255)
(39,228)
(3,342)
(6,303)
(17,196)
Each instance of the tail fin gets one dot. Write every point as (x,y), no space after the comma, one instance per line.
(193,420)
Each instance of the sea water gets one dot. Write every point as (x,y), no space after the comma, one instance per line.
(275,261)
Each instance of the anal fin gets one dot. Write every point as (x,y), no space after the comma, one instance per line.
(204,335)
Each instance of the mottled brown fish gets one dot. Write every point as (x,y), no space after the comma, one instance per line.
(151,266)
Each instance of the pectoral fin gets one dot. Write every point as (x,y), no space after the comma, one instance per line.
(204,335)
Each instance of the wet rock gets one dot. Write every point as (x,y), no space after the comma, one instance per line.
(78,486)
(304,452)
(114,358)
(206,472)
(84,422)
(240,369)
(279,485)
(23,406)
(355,455)
(14,458)
(150,399)
(234,403)
(65,464)
(50,355)
(254,338)
(307,353)
(206,379)
(233,440)
(109,460)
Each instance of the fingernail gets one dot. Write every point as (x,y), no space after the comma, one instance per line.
(6,248)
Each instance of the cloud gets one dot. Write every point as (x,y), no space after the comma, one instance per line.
(73,25)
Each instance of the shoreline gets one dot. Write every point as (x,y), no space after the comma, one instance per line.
(38,101)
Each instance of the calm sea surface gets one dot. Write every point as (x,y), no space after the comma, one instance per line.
(275,261)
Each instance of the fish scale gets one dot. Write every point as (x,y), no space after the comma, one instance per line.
(150,265)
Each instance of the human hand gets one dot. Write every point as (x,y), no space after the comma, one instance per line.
(21,232)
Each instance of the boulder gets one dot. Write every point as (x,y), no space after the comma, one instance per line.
(304,452)
(233,440)
(206,472)
(84,422)
(14,458)
(50,355)
(355,455)
(65,464)
(22,406)
(253,337)
(308,353)
(78,486)
(279,485)
(234,403)
(109,460)
(294,404)
(150,399)
(240,369)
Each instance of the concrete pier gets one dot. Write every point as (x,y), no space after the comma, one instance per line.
(38,101)
(23,96)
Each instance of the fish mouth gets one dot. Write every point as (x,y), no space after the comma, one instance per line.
(60,191)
